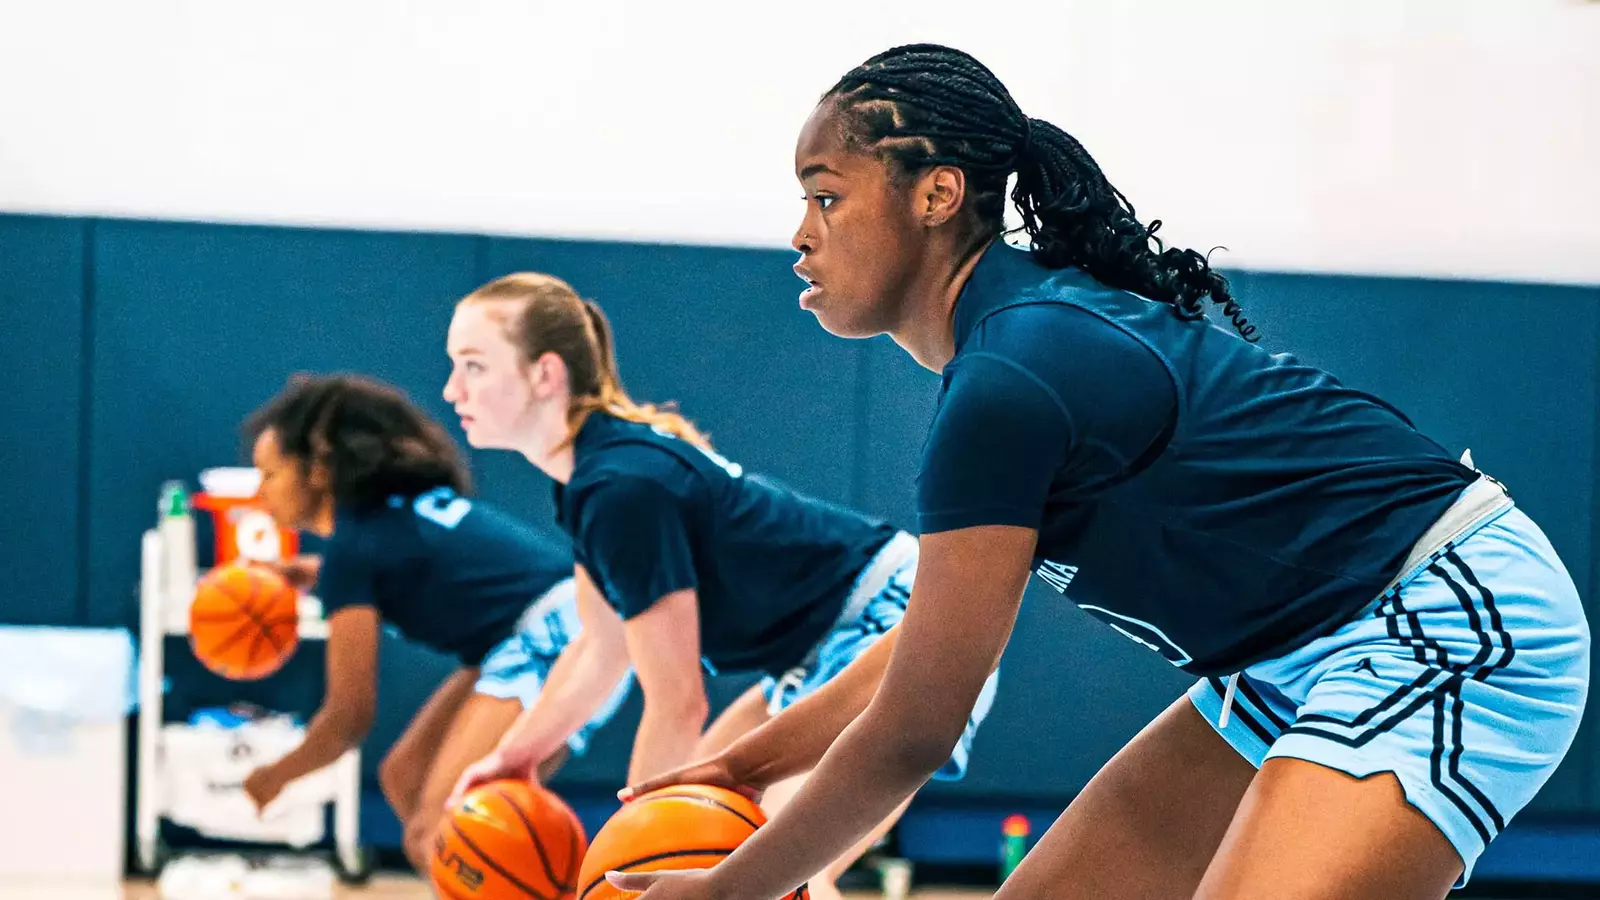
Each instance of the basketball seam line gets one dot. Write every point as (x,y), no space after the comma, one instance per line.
(266,626)
(261,629)
(670,854)
(578,847)
(538,845)
(228,642)
(488,861)
(699,799)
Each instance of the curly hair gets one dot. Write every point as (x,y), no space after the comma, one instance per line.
(374,442)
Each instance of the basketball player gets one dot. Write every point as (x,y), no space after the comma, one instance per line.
(354,461)
(686,564)
(1393,659)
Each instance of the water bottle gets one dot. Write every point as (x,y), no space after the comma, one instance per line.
(174,500)
(177,529)
(1013,844)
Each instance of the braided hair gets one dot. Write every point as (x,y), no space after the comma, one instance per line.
(925,105)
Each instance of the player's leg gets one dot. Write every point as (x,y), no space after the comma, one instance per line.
(1148,823)
(1426,724)
(1305,831)
(877,607)
(751,710)
(402,770)
(742,716)
(477,728)
(511,678)
(824,885)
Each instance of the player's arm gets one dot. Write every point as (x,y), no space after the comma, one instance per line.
(793,741)
(632,533)
(1008,435)
(350,701)
(348,708)
(301,571)
(969,587)
(664,643)
(583,677)
(346,575)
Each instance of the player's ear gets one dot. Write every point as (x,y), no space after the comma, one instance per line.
(939,194)
(318,478)
(548,374)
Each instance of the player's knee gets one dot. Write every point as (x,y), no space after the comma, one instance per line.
(398,782)
(553,764)
(420,832)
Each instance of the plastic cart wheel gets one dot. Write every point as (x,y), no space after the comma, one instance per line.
(356,871)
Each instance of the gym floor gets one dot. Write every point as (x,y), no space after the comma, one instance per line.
(389,887)
(393,887)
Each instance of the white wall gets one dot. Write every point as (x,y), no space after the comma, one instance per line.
(1442,137)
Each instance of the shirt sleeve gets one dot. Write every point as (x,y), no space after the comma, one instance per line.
(1054,404)
(996,443)
(633,538)
(349,573)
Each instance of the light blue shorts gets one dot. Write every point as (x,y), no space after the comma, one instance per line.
(1467,680)
(876,604)
(517,667)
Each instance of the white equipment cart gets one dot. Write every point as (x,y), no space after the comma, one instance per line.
(167,582)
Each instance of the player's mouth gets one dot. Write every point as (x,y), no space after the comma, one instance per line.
(809,295)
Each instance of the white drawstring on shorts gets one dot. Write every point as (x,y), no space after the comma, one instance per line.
(791,679)
(1227,700)
(1233,680)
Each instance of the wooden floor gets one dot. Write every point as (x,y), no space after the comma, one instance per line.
(396,888)
(402,888)
(381,888)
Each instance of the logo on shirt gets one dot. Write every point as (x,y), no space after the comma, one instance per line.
(1057,575)
(1060,575)
(733,469)
(1141,632)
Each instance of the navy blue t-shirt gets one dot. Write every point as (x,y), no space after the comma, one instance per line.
(650,514)
(1213,501)
(446,571)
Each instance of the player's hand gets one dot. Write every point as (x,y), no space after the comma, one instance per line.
(497,765)
(263,786)
(718,771)
(300,571)
(683,884)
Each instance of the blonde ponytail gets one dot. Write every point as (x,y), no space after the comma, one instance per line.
(553,319)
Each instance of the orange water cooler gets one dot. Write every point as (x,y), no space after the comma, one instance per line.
(243,529)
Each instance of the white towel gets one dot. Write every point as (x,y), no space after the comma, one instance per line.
(203,771)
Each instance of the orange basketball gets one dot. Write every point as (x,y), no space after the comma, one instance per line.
(510,840)
(687,826)
(244,623)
